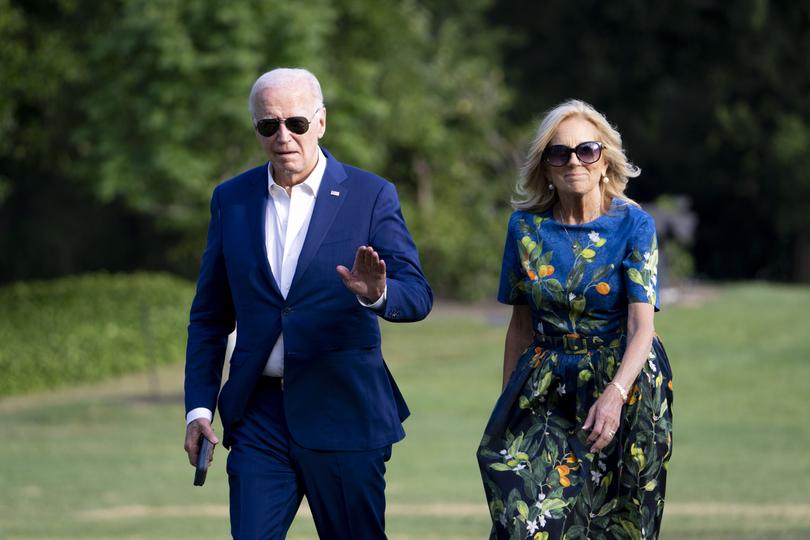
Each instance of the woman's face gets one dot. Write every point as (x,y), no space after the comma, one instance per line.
(575,177)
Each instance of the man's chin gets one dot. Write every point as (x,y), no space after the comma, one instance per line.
(286,166)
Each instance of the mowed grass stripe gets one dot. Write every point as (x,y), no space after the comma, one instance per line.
(440,510)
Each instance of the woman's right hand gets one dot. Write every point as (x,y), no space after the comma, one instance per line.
(603,419)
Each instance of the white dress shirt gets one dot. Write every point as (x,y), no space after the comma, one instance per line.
(286,223)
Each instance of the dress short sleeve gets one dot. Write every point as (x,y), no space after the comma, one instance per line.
(510,290)
(640,264)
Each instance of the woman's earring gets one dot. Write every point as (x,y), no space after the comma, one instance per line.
(550,186)
(605,179)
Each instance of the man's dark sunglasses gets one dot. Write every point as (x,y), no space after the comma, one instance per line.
(558,155)
(267,127)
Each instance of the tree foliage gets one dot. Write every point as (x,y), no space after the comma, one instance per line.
(151,102)
(118,118)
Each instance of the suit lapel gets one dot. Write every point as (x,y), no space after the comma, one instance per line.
(257,206)
(331,195)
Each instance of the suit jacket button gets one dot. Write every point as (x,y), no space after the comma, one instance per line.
(286,311)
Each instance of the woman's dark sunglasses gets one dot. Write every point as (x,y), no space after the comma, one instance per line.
(299,125)
(558,155)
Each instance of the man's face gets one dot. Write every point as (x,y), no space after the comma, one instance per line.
(293,156)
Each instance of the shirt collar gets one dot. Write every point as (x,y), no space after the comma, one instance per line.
(310,184)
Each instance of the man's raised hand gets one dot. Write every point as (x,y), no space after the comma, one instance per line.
(366,279)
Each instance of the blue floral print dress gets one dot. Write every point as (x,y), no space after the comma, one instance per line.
(540,478)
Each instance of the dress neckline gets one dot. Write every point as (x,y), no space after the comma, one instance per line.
(549,214)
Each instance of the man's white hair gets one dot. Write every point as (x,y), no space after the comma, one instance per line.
(283,77)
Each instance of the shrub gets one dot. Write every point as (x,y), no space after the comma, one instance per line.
(86,328)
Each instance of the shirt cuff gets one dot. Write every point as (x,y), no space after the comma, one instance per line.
(379,304)
(199,412)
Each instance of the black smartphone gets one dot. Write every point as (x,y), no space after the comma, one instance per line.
(202,461)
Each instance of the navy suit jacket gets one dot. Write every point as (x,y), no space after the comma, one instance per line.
(338,392)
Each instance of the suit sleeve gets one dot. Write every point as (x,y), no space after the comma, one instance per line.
(211,320)
(409,295)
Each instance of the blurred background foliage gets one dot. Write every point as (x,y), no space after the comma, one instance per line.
(118,118)
(98,326)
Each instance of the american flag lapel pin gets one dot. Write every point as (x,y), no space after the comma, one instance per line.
(334,193)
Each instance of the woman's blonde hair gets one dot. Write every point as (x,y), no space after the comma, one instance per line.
(532,192)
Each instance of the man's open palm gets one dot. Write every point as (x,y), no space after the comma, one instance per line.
(367,277)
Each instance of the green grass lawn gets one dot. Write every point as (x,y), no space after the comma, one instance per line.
(106,461)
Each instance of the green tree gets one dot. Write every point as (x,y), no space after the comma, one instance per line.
(166,115)
(421,104)
(146,104)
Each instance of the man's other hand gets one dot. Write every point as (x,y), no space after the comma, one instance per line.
(200,426)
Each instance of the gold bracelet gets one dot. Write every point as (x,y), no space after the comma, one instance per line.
(621,390)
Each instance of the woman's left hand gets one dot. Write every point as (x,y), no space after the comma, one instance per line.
(603,419)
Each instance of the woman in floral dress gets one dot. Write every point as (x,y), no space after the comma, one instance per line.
(578,443)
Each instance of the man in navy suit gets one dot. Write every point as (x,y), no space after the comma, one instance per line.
(309,407)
